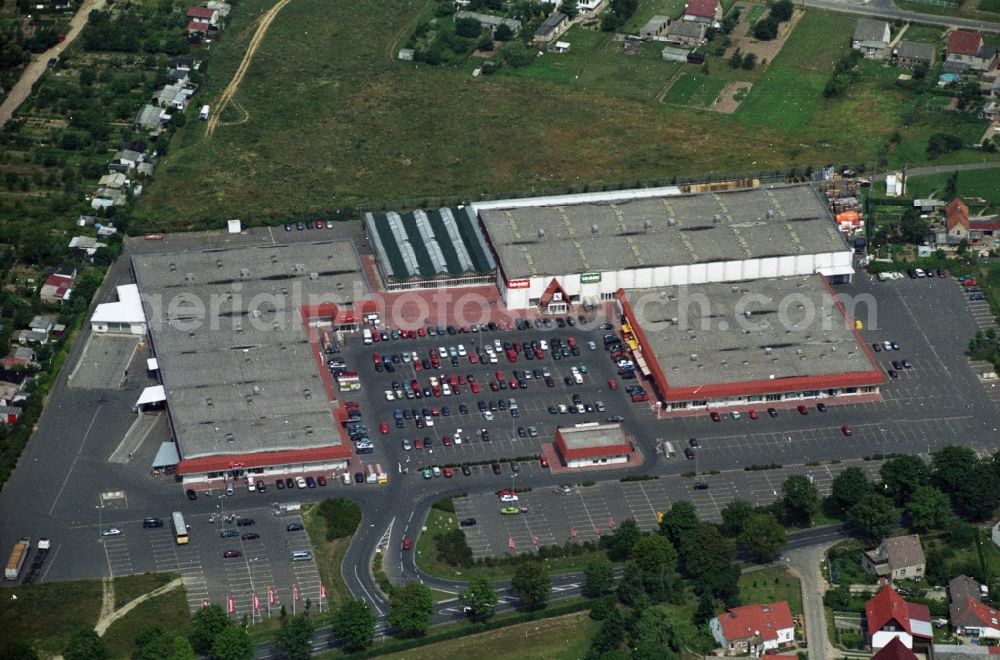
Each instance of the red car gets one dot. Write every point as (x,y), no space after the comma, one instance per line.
(499,375)
(447,472)
(802,410)
(376,357)
(384,428)
(421,332)
(319,224)
(407,544)
(543,461)
(474,387)
(613,384)
(446,441)
(846,430)
(473,359)
(715,416)
(752,414)
(321,480)
(418,443)
(639,398)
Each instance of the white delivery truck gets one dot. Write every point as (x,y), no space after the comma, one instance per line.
(203,114)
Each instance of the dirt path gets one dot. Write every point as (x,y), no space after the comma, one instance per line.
(234,84)
(22,88)
(109,617)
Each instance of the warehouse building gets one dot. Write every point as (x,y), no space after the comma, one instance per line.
(558,251)
(236,349)
(729,345)
(593,444)
(125,316)
(429,249)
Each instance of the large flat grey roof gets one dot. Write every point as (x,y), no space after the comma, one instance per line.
(587,437)
(668,230)
(794,329)
(235,360)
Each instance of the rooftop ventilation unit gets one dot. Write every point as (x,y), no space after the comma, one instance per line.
(671,221)
(218,263)
(239,328)
(594,229)
(717,218)
(244,273)
(307,393)
(274,258)
(694,357)
(770,214)
(256,389)
(767,350)
(747,313)
(299,268)
(189,277)
(173,268)
(313,277)
(674,320)
(209,403)
(230,437)
(541,232)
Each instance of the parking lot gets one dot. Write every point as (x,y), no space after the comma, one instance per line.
(454,416)
(262,565)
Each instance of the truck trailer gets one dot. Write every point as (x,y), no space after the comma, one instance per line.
(17,558)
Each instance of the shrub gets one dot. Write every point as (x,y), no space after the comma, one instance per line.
(766,29)
(342,517)
(468,27)
(445,504)
(453,549)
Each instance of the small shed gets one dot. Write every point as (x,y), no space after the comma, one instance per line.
(674,54)
(654,27)
(406,54)
(561,47)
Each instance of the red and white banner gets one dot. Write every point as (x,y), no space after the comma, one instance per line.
(597,530)
(511,543)
(204,603)
(534,540)
(296,593)
(572,533)
(270,596)
(256,603)
(231,604)
(611,522)
(322,591)
(519,284)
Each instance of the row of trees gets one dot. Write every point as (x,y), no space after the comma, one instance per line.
(766,28)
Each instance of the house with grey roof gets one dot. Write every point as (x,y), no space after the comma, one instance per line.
(151,118)
(911,53)
(896,558)
(551,28)
(686,34)
(490,21)
(871,38)
(654,27)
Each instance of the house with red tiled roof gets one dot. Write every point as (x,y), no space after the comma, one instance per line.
(203,15)
(895,650)
(58,286)
(967,50)
(959,225)
(703,11)
(754,629)
(969,616)
(888,616)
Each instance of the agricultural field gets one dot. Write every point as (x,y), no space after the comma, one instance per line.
(695,90)
(356,126)
(984,184)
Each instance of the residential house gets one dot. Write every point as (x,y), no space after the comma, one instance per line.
(654,27)
(87,244)
(12,385)
(22,356)
(113,180)
(26,337)
(888,616)
(222,7)
(204,15)
(967,50)
(959,225)
(184,63)
(589,6)
(989,84)
(685,34)
(178,76)
(125,160)
(58,286)
(41,323)
(490,21)
(105,198)
(871,38)
(927,205)
(151,118)
(9,414)
(895,650)
(197,30)
(896,558)
(990,111)
(969,616)
(674,54)
(173,96)
(551,28)
(561,47)
(911,53)
(703,11)
(754,629)
(145,169)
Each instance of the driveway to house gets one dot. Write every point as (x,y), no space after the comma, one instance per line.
(37,66)
(805,563)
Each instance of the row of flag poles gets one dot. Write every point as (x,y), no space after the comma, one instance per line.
(272,599)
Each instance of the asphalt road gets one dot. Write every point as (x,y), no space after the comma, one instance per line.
(886,9)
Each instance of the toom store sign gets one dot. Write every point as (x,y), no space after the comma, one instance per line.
(590,278)
(519,284)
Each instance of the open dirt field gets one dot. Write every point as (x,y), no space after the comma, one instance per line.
(726,101)
(764,50)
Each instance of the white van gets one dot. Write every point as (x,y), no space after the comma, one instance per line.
(203,113)
(367,335)
(251,485)
(346,478)
(301,555)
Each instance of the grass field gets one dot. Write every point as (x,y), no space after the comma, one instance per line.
(329,555)
(755,13)
(929,34)
(770,584)
(327,118)
(695,90)
(971,183)
(168,610)
(129,588)
(566,637)
(47,615)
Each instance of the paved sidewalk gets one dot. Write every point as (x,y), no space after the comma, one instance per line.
(805,564)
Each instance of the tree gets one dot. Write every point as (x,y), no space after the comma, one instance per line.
(294,638)
(481,597)
(206,624)
(901,475)
(517,54)
(706,610)
(86,645)
(708,560)
(800,502)
(355,622)
(951,186)
(951,466)
(610,634)
(979,495)
(570,8)
(749,61)
(18,650)
(659,633)
(410,609)
(912,228)
(622,540)
(468,27)
(766,29)
(734,516)
(630,588)
(598,577)
(763,538)
(655,554)
(503,33)
(781,10)
(873,515)
(681,518)
(233,643)
(928,508)
(847,489)
(531,584)
(155,643)
(736,59)
(942,143)
(963,245)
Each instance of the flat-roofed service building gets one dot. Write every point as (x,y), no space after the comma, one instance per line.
(587,445)
(552,252)
(727,345)
(237,354)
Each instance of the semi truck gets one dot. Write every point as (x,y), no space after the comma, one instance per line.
(17,558)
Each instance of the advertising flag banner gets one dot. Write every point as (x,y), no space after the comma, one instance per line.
(270,596)
(297,594)
(256,603)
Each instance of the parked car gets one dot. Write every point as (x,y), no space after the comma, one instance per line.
(250,536)
(294,527)
(802,409)
(230,554)
(111,531)
(191,494)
